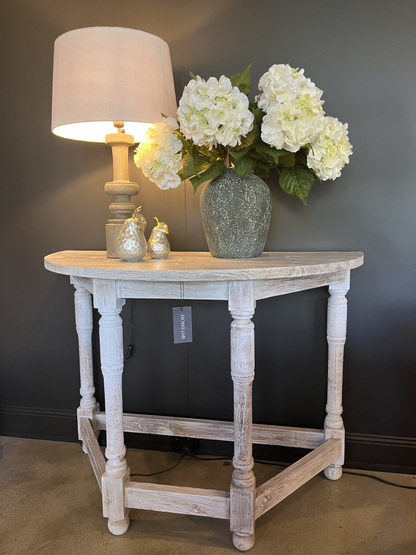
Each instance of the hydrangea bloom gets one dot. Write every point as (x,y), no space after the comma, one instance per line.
(293,106)
(214,112)
(159,154)
(330,150)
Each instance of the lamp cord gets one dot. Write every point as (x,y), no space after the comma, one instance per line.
(267,463)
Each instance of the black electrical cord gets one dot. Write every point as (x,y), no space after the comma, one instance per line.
(271,463)
(378,479)
(130,348)
(212,458)
(275,464)
(161,471)
(287,465)
(230,459)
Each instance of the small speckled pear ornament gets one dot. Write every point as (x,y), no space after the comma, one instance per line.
(131,242)
(141,220)
(158,244)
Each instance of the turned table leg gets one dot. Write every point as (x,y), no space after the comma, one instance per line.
(116,470)
(336,335)
(83,321)
(243,484)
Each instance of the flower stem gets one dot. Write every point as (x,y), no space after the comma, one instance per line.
(227,162)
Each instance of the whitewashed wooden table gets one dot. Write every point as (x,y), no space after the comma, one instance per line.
(193,275)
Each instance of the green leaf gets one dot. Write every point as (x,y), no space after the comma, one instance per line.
(214,170)
(297,181)
(187,170)
(193,162)
(301,157)
(262,169)
(258,118)
(242,80)
(246,141)
(202,164)
(257,113)
(288,160)
(194,152)
(163,115)
(192,75)
(276,155)
(238,155)
(212,154)
(245,165)
(261,172)
(262,164)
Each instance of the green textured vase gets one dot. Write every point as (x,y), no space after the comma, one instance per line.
(236,212)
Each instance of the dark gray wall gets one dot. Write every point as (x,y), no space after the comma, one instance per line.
(362,54)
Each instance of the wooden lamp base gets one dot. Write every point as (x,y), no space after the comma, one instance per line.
(121,188)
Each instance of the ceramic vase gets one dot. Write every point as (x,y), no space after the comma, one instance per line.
(236,212)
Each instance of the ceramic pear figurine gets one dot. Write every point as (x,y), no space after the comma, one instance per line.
(158,244)
(131,242)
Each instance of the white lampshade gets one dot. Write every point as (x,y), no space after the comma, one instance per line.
(107,74)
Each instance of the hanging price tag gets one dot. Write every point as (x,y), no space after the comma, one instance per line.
(182,324)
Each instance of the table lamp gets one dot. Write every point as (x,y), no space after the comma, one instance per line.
(106,78)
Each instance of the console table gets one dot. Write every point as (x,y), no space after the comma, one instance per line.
(197,275)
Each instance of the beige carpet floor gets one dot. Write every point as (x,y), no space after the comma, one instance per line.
(51,505)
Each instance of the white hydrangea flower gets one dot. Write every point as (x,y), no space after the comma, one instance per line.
(279,82)
(330,151)
(159,154)
(214,112)
(293,106)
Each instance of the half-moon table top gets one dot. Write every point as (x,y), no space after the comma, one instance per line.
(201,266)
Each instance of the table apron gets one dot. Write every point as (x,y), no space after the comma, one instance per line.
(214,290)
(197,290)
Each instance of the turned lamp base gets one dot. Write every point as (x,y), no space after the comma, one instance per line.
(112,229)
(121,188)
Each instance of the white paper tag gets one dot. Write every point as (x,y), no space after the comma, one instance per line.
(182,325)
